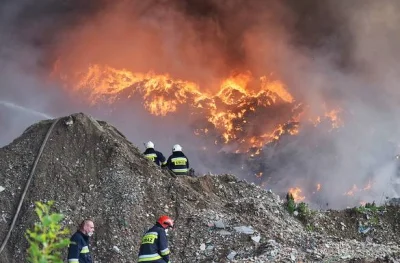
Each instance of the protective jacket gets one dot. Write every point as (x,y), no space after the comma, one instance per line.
(78,251)
(178,163)
(154,246)
(155,156)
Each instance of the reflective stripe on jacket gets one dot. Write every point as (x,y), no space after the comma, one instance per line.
(78,250)
(178,163)
(154,245)
(155,156)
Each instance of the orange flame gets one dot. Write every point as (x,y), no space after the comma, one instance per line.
(352,190)
(368,186)
(162,95)
(333,115)
(355,189)
(229,110)
(296,193)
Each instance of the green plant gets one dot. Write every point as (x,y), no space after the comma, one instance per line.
(46,239)
(290,203)
(304,212)
(369,207)
(302,208)
(310,228)
(374,220)
(361,209)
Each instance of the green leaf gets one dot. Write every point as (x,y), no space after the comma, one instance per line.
(46,239)
(57,217)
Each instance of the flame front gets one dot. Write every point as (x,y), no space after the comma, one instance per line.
(296,193)
(237,112)
(230,110)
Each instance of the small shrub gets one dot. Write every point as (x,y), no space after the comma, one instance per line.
(290,203)
(374,220)
(304,212)
(310,228)
(369,207)
(361,209)
(46,239)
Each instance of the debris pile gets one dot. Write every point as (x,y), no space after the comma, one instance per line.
(91,170)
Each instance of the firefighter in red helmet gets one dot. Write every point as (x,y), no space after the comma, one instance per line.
(154,245)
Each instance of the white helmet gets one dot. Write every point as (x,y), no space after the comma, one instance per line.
(149,144)
(177,148)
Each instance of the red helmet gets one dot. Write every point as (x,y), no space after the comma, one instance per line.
(165,221)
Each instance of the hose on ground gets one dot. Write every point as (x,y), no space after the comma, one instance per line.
(28,182)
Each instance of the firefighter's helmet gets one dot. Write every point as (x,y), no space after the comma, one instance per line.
(177,148)
(165,221)
(149,144)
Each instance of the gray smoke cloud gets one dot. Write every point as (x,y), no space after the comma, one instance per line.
(363,150)
(336,54)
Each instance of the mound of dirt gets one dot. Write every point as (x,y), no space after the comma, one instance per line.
(91,170)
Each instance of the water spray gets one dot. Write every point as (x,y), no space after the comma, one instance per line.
(14,106)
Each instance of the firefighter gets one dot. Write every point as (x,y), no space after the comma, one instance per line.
(153,155)
(154,245)
(78,251)
(178,163)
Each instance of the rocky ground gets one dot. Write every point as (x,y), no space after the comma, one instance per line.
(91,170)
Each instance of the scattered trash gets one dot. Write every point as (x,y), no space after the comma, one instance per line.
(219,224)
(128,193)
(232,255)
(69,121)
(363,229)
(211,247)
(273,253)
(224,233)
(244,230)
(116,249)
(203,246)
(256,238)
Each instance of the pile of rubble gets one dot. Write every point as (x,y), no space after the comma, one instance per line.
(91,170)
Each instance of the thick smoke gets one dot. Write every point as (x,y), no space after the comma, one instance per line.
(363,85)
(26,93)
(331,54)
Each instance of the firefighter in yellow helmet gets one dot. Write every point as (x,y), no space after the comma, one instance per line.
(153,155)
(178,163)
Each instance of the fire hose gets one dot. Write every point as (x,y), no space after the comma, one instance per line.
(27,185)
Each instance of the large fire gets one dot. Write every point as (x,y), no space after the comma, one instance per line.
(244,109)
